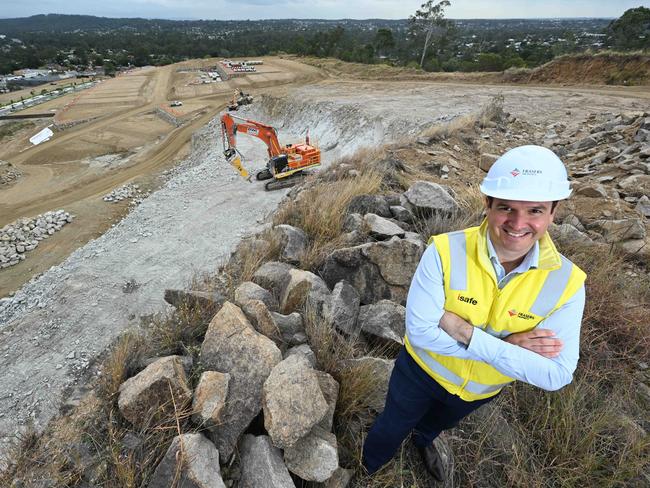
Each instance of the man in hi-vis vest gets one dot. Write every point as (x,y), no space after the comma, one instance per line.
(487,305)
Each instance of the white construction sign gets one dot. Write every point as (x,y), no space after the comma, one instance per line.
(42,136)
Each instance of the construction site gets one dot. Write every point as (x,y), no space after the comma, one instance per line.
(151,179)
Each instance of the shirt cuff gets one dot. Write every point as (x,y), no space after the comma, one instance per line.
(485,347)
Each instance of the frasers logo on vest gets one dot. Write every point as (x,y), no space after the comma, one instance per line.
(470,300)
(521,315)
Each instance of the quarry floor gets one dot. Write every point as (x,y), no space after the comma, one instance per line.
(78,301)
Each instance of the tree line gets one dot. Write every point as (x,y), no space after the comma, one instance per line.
(426,40)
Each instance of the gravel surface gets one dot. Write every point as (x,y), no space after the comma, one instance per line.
(59,322)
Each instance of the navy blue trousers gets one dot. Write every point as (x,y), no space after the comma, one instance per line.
(415,402)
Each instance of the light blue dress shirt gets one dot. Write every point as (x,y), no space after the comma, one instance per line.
(425,306)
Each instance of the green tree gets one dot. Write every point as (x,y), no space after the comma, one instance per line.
(490,62)
(631,30)
(430,21)
(384,40)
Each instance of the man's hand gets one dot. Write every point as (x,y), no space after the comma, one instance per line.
(456,327)
(541,341)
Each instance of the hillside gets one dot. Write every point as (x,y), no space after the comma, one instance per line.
(585,69)
(379,139)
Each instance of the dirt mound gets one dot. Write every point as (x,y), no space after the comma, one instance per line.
(581,69)
(588,69)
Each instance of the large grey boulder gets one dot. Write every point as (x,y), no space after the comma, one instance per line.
(293,401)
(593,191)
(637,185)
(402,214)
(306,351)
(293,242)
(619,230)
(291,327)
(191,461)
(643,206)
(210,398)
(262,465)
(375,373)
(426,198)
(315,457)
(204,300)
(339,479)
(342,309)
(353,222)
(303,285)
(486,161)
(284,330)
(154,390)
(583,144)
(262,319)
(384,319)
(376,270)
(233,346)
(381,228)
(273,276)
(397,259)
(330,389)
(567,234)
(636,247)
(363,204)
(351,265)
(248,290)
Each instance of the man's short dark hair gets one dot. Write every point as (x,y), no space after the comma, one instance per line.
(491,199)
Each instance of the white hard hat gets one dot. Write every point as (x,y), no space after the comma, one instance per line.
(529,174)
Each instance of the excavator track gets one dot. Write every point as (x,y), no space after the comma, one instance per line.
(284,183)
(264,174)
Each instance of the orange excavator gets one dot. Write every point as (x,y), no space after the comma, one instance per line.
(285,164)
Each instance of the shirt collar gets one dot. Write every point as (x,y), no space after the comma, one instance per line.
(531,260)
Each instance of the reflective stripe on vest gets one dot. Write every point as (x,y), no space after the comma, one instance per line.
(471,386)
(554,286)
(458,259)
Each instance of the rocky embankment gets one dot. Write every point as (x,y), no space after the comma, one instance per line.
(257,386)
(257,357)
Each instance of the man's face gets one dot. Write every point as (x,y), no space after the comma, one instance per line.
(515,226)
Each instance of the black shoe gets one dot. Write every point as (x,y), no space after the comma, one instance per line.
(432,461)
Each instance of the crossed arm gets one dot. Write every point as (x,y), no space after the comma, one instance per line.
(545,357)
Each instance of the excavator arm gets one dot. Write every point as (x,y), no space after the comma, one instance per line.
(231,125)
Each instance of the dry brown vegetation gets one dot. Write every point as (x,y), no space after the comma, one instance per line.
(602,68)
(592,433)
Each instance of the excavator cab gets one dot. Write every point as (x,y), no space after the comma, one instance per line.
(278,164)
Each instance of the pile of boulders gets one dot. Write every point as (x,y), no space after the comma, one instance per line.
(24,235)
(256,361)
(608,159)
(130,191)
(8,173)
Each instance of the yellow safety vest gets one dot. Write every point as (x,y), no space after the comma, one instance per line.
(471,292)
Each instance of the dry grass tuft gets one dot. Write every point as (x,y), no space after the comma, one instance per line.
(249,255)
(490,115)
(320,211)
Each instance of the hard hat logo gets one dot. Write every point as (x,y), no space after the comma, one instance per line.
(527,173)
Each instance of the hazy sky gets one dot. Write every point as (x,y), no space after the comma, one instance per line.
(324,9)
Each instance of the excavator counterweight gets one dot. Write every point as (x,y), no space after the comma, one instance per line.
(285,163)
